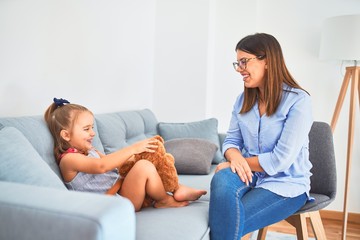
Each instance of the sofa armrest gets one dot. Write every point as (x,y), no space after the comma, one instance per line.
(32,212)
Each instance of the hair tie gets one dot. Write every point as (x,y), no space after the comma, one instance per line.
(60,102)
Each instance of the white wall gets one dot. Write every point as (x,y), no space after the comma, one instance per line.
(96,53)
(168,55)
(181,46)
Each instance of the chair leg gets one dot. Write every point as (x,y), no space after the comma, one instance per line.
(247,236)
(299,222)
(262,233)
(317,225)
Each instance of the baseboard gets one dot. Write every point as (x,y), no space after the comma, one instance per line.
(336,215)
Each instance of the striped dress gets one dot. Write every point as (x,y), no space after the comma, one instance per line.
(96,183)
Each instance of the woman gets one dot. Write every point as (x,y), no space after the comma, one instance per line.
(267,174)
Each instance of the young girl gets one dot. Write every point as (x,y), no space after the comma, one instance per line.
(83,168)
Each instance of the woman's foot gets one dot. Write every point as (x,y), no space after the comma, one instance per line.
(185,193)
(170,202)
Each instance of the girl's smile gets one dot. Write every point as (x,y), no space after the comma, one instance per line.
(82,133)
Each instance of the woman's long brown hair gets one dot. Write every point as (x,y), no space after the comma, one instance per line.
(265,46)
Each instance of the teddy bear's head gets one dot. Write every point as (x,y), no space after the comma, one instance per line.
(158,154)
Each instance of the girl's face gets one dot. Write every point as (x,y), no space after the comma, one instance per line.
(255,72)
(82,134)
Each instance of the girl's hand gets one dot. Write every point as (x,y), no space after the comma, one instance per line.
(242,168)
(147,145)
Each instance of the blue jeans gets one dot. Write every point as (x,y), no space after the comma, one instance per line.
(237,209)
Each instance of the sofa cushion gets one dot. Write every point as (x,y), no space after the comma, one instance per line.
(190,222)
(192,155)
(205,129)
(120,129)
(20,162)
(35,130)
(199,181)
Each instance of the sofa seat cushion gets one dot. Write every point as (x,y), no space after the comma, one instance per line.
(190,222)
(20,162)
(199,182)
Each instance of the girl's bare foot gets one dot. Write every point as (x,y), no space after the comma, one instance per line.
(170,202)
(185,193)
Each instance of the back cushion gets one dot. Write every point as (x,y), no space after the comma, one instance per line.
(322,157)
(205,129)
(20,162)
(35,130)
(118,130)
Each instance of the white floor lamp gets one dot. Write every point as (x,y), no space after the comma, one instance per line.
(341,40)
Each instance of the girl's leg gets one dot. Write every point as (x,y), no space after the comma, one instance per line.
(263,207)
(143,179)
(225,205)
(185,193)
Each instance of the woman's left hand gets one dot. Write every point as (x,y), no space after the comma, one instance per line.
(242,168)
(222,166)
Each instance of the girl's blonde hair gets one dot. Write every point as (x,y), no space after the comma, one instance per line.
(62,117)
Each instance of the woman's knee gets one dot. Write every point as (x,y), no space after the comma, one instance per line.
(224,177)
(221,182)
(217,180)
(225,182)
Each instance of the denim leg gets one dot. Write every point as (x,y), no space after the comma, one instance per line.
(226,211)
(263,207)
(237,209)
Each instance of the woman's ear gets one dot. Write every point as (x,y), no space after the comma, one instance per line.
(265,61)
(64,134)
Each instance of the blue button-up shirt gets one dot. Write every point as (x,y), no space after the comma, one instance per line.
(280,141)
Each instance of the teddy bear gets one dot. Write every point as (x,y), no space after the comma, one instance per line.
(164,163)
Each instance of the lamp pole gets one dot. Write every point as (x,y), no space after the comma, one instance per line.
(352,74)
(340,41)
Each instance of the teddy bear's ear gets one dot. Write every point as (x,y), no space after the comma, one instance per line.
(159,138)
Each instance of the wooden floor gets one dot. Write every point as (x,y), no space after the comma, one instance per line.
(333,229)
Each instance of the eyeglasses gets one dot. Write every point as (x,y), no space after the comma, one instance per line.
(242,63)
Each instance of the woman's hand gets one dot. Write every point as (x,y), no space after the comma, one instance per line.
(222,166)
(239,165)
(147,145)
(242,168)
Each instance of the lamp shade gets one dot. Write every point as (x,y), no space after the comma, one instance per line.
(340,38)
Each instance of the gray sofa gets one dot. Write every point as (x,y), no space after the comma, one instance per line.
(34,203)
